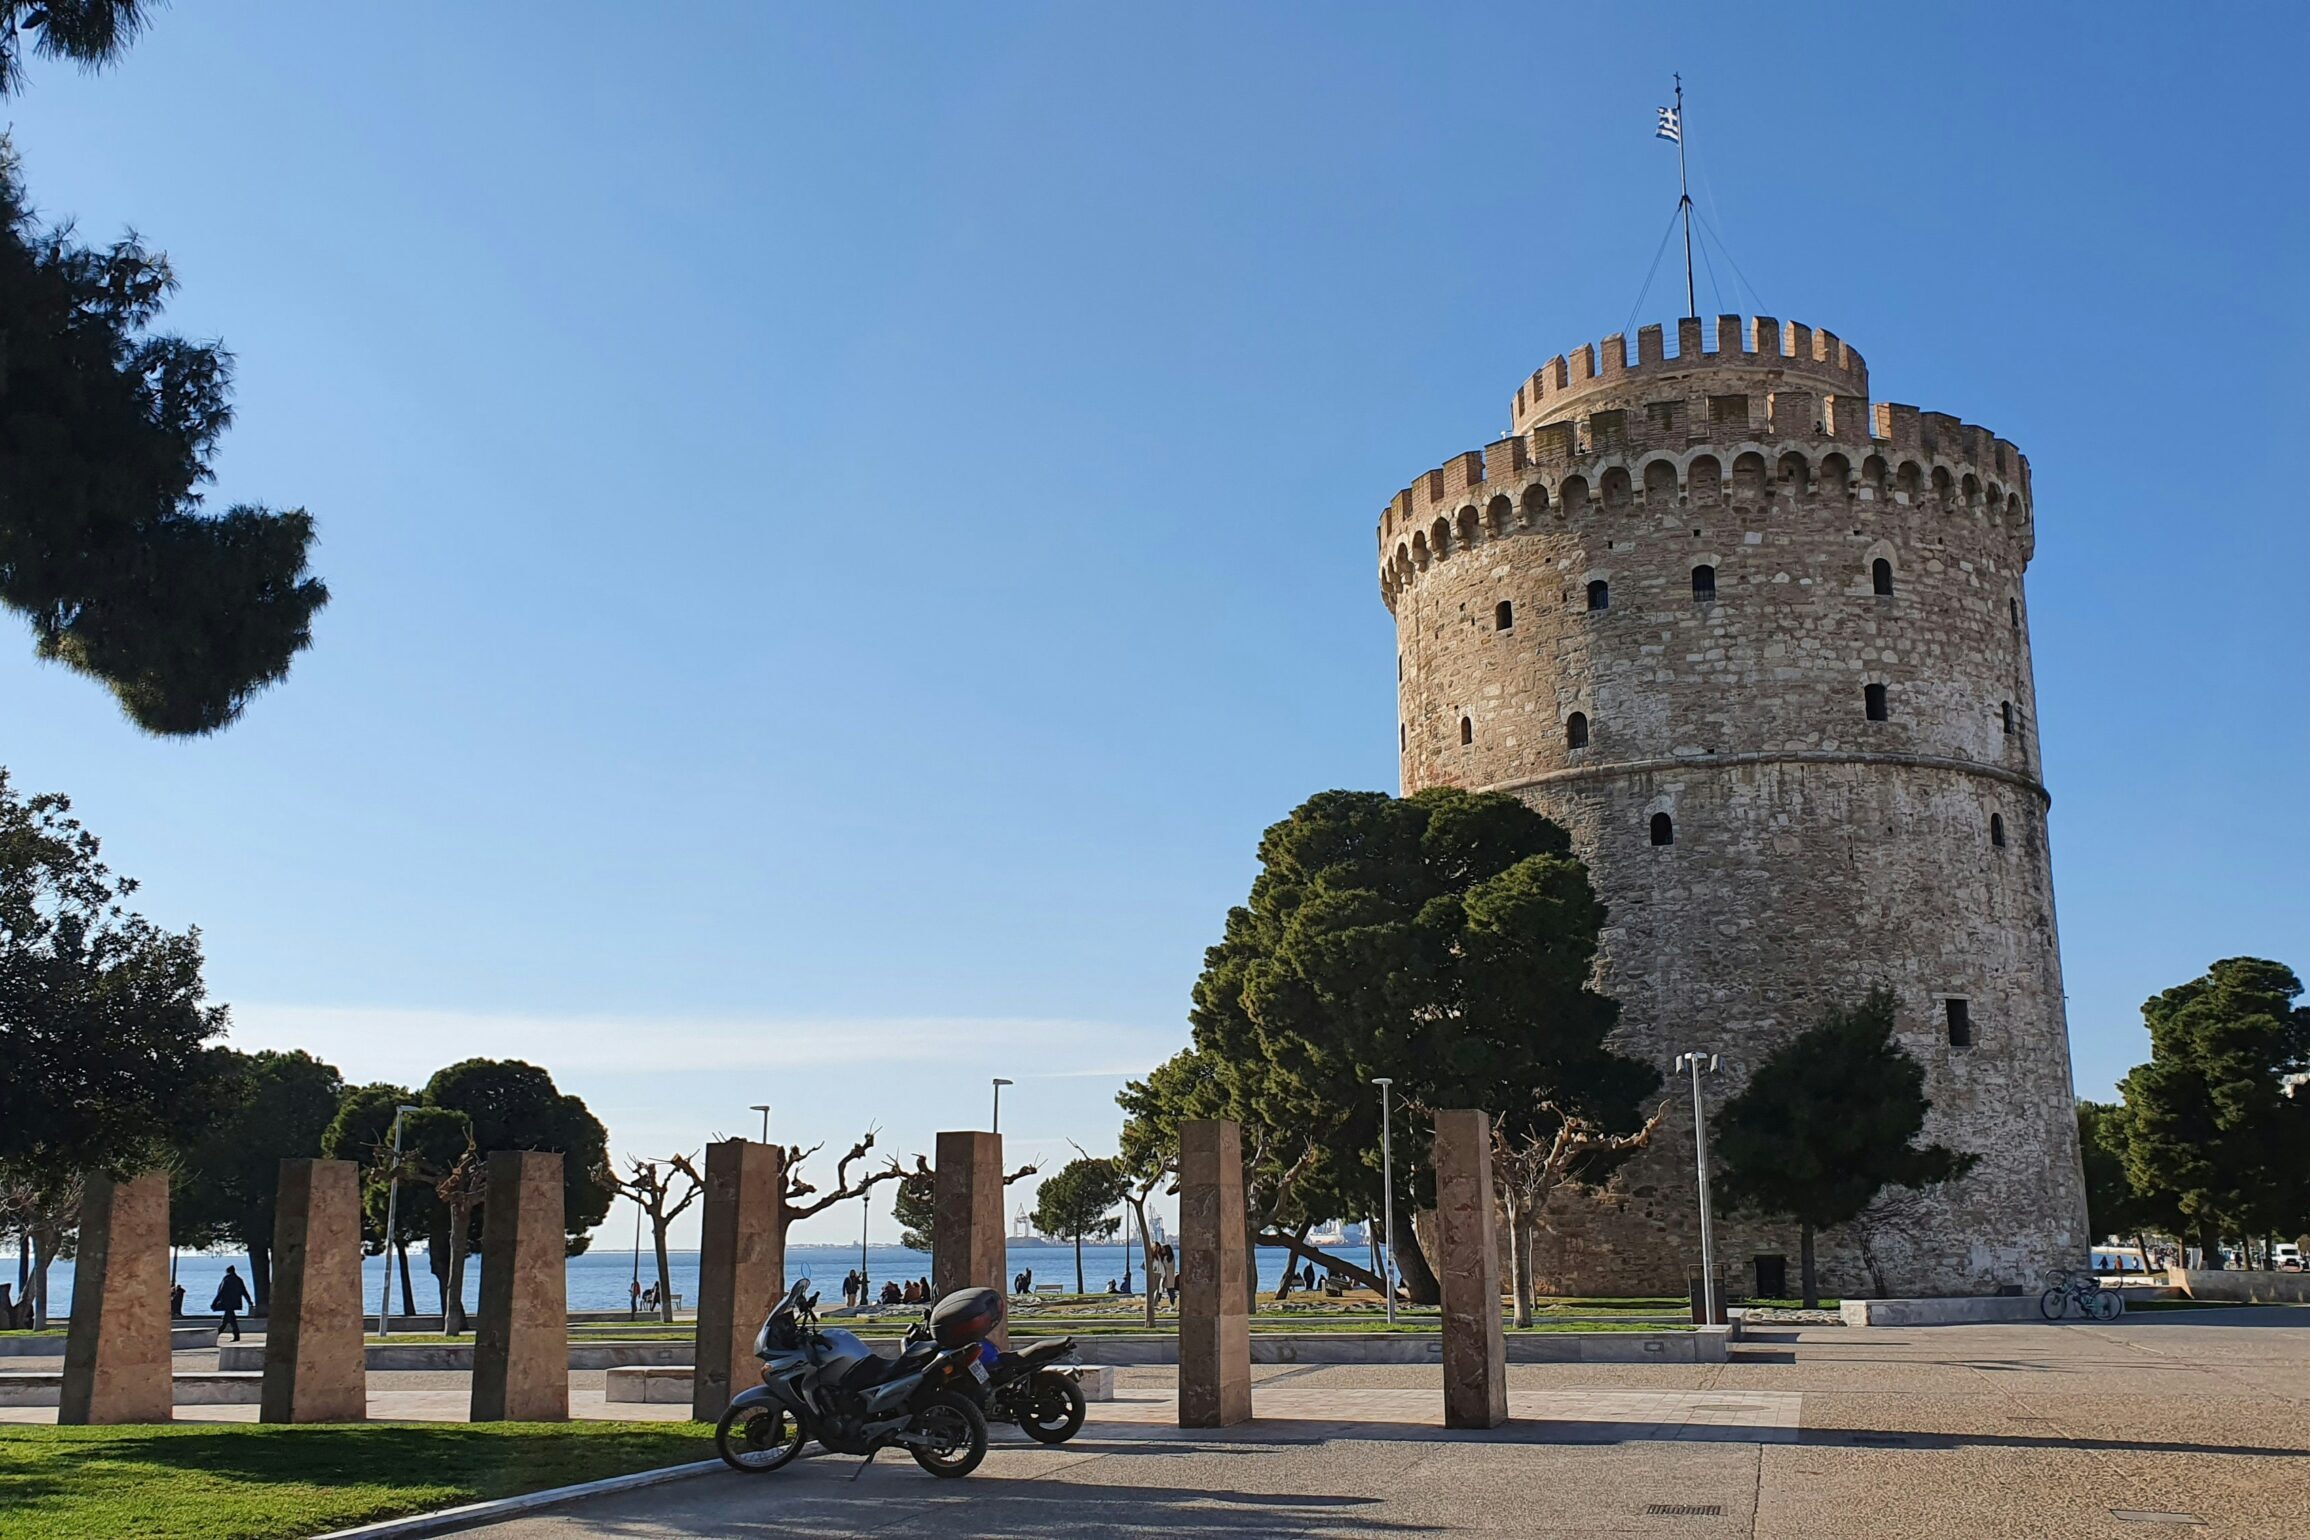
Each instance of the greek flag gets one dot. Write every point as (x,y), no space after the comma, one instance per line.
(1670,128)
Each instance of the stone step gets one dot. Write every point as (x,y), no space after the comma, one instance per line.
(41,1387)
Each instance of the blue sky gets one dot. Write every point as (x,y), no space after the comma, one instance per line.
(846,522)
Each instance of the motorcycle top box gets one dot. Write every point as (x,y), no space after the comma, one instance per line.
(966,1315)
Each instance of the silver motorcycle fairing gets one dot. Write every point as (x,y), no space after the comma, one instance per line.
(775,1393)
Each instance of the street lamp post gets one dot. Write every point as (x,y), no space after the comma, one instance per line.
(1696,1063)
(1387,1197)
(392,1222)
(764,1109)
(1000,1082)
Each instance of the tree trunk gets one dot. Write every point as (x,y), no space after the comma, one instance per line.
(1808,1280)
(260,1277)
(1412,1264)
(1520,1226)
(1290,1279)
(408,1297)
(665,1278)
(453,1301)
(1079,1262)
(1869,1260)
(1334,1265)
(1146,1252)
(2210,1243)
(36,1291)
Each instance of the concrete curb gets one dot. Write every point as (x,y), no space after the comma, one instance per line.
(449,1520)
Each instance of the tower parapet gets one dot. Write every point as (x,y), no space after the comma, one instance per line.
(1661,420)
(1797,352)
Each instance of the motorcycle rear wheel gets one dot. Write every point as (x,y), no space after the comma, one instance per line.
(1054,1407)
(758,1439)
(960,1432)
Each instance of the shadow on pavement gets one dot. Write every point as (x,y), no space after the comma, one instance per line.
(1879,1438)
(899,1502)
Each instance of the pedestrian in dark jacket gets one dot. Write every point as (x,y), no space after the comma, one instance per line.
(232,1298)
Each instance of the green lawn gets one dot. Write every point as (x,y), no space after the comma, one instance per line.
(250,1481)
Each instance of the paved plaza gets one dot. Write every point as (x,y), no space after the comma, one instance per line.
(1961,1431)
(2196,1424)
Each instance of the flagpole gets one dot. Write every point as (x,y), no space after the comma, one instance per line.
(1684,204)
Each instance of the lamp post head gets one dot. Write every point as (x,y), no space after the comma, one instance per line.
(999,1080)
(1383,1080)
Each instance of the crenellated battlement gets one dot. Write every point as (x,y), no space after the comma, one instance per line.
(1892,454)
(1767,405)
(1751,344)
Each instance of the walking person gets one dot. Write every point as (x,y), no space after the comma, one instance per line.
(232,1298)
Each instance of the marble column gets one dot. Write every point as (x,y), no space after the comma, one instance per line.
(314,1368)
(117,1366)
(1214,1309)
(1468,1267)
(967,1250)
(741,1269)
(521,1337)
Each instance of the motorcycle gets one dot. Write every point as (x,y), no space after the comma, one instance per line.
(1021,1387)
(1045,1402)
(829,1386)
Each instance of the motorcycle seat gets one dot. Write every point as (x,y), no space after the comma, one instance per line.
(879,1370)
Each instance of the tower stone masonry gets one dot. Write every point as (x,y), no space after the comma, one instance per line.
(1762,647)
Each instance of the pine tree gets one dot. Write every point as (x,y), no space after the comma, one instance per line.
(1826,1123)
(2214,1138)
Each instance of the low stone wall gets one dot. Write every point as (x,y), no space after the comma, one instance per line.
(1971,1310)
(1702,1345)
(453,1356)
(181,1339)
(664,1385)
(2238,1287)
(36,1387)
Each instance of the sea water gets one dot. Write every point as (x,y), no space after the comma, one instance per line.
(603,1278)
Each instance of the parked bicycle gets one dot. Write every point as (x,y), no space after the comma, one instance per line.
(2066,1290)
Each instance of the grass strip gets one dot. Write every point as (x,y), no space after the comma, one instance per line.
(251,1481)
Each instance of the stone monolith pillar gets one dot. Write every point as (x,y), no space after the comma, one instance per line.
(1468,1267)
(117,1366)
(314,1368)
(967,1222)
(741,1269)
(1214,1309)
(521,1337)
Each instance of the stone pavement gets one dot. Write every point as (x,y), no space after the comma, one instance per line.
(2198,1426)
(1990,1431)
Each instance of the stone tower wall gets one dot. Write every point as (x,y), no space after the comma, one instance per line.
(1815,852)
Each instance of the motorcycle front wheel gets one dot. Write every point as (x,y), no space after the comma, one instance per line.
(1054,1407)
(957,1434)
(758,1439)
